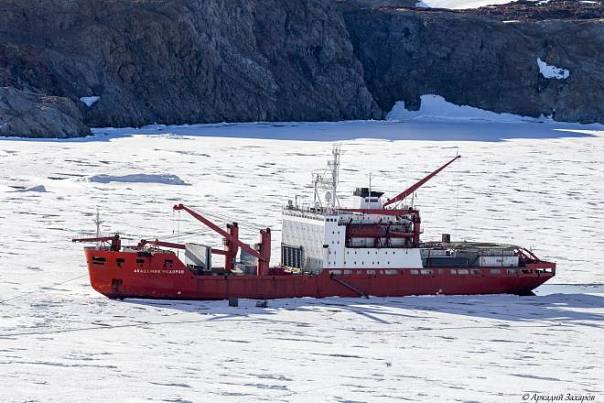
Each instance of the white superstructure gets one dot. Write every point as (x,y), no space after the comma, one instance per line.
(325,235)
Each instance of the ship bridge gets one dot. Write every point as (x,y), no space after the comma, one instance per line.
(365,198)
(364,236)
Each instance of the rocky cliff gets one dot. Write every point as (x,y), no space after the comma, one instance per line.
(485,62)
(183,61)
(68,65)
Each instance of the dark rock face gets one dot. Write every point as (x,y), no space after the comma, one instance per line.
(183,61)
(481,62)
(356,4)
(194,61)
(28,114)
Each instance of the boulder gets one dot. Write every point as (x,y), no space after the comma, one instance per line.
(27,114)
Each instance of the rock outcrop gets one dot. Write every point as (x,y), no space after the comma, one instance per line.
(480,61)
(528,10)
(66,65)
(28,114)
(184,61)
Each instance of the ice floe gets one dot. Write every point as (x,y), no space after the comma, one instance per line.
(164,179)
(38,188)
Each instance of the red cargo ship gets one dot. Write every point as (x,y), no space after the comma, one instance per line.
(370,248)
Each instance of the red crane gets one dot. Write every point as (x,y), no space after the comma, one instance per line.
(417,185)
(410,212)
(232,241)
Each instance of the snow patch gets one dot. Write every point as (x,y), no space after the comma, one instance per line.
(89,101)
(550,71)
(435,107)
(461,4)
(139,178)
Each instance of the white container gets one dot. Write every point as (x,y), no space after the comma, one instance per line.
(498,261)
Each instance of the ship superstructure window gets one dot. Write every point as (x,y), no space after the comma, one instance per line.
(291,256)
(98,260)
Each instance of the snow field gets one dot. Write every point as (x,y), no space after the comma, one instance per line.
(536,184)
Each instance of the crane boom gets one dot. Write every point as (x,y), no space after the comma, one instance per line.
(164,244)
(95,239)
(263,256)
(417,185)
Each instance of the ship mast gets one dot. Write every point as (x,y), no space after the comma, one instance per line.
(328,181)
(98,223)
(336,151)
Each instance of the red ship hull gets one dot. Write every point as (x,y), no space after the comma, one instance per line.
(163,276)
